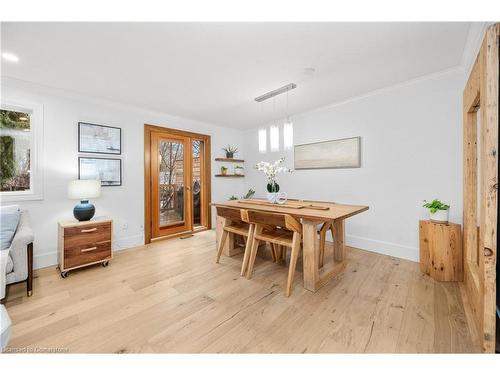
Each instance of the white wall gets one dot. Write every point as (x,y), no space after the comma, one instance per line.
(125,204)
(411,150)
(411,143)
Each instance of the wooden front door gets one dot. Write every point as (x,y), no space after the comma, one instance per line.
(177,182)
(480,106)
(170,176)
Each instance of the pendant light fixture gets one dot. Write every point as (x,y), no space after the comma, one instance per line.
(287,129)
(262,134)
(274,132)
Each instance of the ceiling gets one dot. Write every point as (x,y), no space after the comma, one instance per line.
(211,72)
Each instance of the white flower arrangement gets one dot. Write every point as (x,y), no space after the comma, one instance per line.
(271,170)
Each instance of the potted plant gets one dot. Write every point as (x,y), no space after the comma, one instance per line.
(238,170)
(250,193)
(230,151)
(438,211)
(271,170)
(223,170)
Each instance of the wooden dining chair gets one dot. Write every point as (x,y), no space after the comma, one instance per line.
(277,229)
(322,232)
(233,223)
(279,253)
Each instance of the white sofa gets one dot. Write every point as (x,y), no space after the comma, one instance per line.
(19,265)
(16,260)
(5,323)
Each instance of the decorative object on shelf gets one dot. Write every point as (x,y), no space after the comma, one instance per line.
(339,153)
(250,193)
(441,250)
(83,244)
(223,170)
(438,211)
(238,169)
(99,139)
(83,190)
(230,151)
(108,171)
(271,170)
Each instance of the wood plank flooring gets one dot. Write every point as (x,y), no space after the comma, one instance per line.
(171,297)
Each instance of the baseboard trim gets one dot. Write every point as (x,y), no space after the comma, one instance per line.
(128,242)
(49,259)
(383,247)
(376,246)
(44,260)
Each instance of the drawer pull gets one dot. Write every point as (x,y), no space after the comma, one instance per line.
(89,249)
(89,230)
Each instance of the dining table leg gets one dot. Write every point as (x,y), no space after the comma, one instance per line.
(313,278)
(338,233)
(310,254)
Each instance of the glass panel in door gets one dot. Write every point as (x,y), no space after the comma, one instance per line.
(171,182)
(196,188)
(169,173)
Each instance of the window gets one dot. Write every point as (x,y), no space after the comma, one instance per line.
(20,146)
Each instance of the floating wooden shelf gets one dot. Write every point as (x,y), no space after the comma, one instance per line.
(229,175)
(230,160)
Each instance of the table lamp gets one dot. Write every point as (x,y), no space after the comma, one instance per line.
(83,190)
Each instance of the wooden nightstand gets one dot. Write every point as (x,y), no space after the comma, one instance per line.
(82,243)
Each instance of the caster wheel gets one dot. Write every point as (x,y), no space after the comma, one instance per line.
(105,264)
(64,274)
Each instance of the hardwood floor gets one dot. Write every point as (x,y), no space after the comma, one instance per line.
(170,296)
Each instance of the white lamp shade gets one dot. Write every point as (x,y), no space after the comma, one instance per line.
(84,189)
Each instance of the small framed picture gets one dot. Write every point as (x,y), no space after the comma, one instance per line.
(99,139)
(109,171)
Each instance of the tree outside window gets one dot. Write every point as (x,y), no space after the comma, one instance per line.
(15,148)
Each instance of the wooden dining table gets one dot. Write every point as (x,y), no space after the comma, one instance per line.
(310,213)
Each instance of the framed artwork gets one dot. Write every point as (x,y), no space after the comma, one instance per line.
(109,171)
(99,139)
(339,153)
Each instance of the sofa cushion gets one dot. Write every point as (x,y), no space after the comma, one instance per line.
(9,219)
(10,265)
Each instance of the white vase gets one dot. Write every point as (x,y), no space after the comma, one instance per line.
(440,216)
(277,198)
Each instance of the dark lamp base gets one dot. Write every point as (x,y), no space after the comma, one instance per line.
(84,211)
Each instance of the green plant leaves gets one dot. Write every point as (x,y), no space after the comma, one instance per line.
(435,205)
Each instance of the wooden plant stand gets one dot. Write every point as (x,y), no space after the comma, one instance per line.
(441,251)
